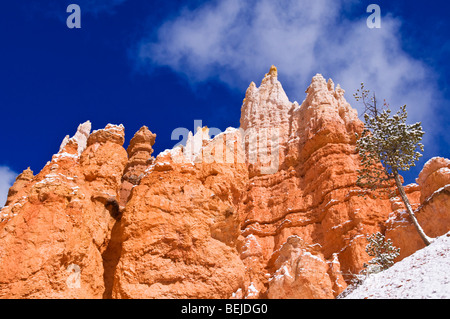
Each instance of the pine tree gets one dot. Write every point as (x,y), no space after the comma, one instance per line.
(383,252)
(386,146)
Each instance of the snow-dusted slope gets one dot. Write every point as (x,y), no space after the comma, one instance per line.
(424,274)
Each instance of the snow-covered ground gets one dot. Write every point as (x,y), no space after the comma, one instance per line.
(424,274)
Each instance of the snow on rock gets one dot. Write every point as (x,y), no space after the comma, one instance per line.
(251,247)
(58,156)
(112,128)
(435,174)
(238,294)
(422,275)
(194,142)
(80,137)
(252,292)
(111,133)
(302,273)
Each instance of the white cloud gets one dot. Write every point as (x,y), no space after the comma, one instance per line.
(237,41)
(7,178)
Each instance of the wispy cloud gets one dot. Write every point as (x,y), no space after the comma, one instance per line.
(237,41)
(7,178)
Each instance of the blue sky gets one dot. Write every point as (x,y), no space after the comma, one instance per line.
(165,64)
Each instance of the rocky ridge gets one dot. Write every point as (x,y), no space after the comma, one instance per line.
(269,210)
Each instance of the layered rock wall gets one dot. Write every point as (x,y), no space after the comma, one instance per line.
(53,235)
(269,210)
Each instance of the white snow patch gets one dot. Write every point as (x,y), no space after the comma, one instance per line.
(112,128)
(75,190)
(340,225)
(351,242)
(251,243)
(176,151)
(56,157)
(307,253)
(80,137)
(229,130)
(422,275)
(438,191)
(335,259)
(234,294)
(252,291)
(331,203)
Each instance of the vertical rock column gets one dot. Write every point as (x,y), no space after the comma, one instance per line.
(312,196)
(265,121)
(139,154)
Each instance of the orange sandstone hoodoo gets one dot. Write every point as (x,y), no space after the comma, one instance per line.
(270,210)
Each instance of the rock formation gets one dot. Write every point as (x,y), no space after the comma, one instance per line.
(53,235)
(139,153)
(432,208)
(179,231)
(269,210)
(312,195)
(21,181)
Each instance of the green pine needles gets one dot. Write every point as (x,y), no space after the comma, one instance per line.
(387,146)
(383,252)
(391,141)
(386,140)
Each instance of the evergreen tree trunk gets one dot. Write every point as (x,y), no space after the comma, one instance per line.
(427,240)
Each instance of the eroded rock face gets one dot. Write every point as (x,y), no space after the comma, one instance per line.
(55,232)
(266,106)
(269,210)
(312,196)
(302,272)
(431,201)
(434,176)
(265,121)
(179,231)
(21,182)
(80,138)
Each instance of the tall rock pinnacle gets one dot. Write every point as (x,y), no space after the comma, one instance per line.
(139,154)
(265,119)
(266,106)
(80,138)
(270,210)
(139,158)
